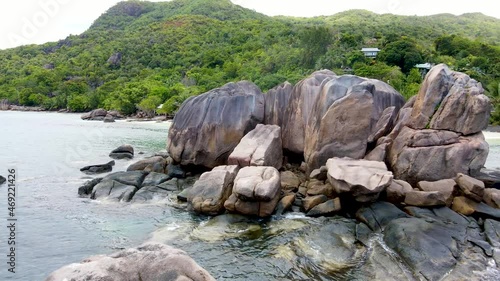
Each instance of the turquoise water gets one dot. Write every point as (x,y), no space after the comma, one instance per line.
(56,227)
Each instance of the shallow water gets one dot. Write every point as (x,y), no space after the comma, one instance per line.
(56,227)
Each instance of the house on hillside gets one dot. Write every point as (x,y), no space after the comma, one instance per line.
(370,52)
(424,68)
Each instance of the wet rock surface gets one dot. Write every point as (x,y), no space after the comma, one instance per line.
(148,262)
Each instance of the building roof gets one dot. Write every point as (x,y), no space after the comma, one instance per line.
(370,50)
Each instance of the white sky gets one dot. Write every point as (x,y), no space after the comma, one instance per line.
(39,21)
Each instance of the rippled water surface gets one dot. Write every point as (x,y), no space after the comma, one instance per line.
(56,227)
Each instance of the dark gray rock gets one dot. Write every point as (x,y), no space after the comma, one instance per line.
(134,178)
(122,152)
(426,248)
(113,190)
(491,178)
(153,179)
(87,187)
(109,119)
(150,193)
(327,208)
(208,127)
(95,115)
(98,169)
(175,171)
(148,262)
(379,214)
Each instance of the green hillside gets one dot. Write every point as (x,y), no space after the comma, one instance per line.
(139,55)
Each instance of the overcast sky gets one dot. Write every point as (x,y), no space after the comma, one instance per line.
(39,21)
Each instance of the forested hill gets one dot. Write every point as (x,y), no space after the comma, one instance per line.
(139,55)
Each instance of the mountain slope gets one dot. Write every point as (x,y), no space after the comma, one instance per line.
(141,54)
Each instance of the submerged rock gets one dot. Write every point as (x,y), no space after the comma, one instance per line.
(148,262)
(98,169)
(208,127)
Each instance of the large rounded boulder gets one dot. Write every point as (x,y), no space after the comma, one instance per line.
(208,127)
(301,102)
(349,113)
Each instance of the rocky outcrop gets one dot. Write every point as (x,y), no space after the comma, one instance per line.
(208,127)
(98,169)
(452,101)
(256,191)
(212,189)
(297,113)
(148,262)
(349,113)
(260,147)
(88,186)
(101,114)
(438,134)
(119,187)
(276,102)
(470,187)
(432,155)
(362,179)
(122,152)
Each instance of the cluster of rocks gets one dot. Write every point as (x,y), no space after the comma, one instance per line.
(152,179)
(102,115)
(125,151)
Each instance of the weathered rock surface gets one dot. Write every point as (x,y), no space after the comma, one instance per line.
(327,208)
(432,155)
(363,179)
(445,187)
(113,190)
(468,207)
(492,197)
(212,189)
(87,187)
(255,191)
(260,147)
(150,193)
(208,127)
(470,187)
(148,262)
(491,178)
(122,152)
(276,102)
(378,215)
(98,169)
(285,204)
(95,115)
(425,198)
(297,113)
(345,118)
(154,178)
(451,101)
(312,201)
(289,181)
(442,136)
(143,164)
(397,190)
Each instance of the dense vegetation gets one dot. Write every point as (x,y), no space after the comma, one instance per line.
(139,55)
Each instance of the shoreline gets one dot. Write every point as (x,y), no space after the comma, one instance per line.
(158,119)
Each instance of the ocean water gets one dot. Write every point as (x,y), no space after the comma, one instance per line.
(56,227)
